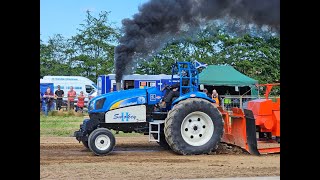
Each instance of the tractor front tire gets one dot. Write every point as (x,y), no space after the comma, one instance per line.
(194,126)
(85,144)
(101,141)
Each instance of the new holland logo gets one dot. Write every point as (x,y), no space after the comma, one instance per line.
(141,100)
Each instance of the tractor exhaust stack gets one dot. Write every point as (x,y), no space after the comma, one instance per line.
(118,86)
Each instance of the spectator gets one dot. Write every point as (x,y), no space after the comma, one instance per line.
(48,98)
(207,93)
(80,102)
(215,96)
(71,95)
(59,95)
(40,99)
(171,96)
(227,101)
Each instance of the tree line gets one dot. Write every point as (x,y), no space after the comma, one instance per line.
(90,52)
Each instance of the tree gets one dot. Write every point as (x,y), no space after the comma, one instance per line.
(89,53)
(51,56)
(256,56)
(94,46)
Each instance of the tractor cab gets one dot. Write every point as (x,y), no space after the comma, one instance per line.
(189,77)
(188,84)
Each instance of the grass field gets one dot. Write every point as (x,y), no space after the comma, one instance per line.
(65,126)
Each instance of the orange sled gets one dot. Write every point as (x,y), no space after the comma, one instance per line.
(240,130)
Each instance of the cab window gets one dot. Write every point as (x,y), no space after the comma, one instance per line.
(89,88)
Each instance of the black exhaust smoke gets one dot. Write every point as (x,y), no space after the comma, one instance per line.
(158,20)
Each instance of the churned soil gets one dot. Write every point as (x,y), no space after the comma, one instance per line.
(137,158)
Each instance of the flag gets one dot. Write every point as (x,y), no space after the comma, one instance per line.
(198,64)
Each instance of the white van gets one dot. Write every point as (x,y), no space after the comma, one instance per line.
(79,83)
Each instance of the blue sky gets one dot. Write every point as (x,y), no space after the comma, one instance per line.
(64,16)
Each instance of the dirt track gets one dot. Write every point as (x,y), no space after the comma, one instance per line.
(136,158)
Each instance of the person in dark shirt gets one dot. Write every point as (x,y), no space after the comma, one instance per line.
(207,93)
(48,98)
(172,95)
(59,95)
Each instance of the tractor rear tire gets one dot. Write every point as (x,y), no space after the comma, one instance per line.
(101,141)
(194,126)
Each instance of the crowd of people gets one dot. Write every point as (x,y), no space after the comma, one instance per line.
(48,98)
(215,96)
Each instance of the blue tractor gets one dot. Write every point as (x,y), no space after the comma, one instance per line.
(179,116)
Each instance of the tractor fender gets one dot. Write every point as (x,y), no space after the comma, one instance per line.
(192,95)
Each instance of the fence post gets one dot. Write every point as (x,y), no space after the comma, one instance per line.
(222,103)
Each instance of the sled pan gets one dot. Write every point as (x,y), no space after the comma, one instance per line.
(240,130)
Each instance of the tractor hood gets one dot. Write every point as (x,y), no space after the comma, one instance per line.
(123,98)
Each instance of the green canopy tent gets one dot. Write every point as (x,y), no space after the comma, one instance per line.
(225,75)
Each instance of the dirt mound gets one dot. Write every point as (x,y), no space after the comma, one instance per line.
(229,149)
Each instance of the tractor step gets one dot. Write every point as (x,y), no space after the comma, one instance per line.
(154,128)
(159,112)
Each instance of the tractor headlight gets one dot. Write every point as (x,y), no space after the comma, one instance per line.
(96,104)
(99,103)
